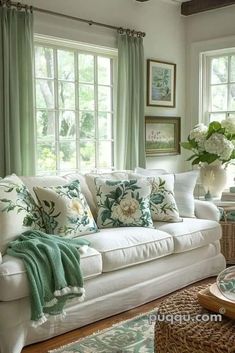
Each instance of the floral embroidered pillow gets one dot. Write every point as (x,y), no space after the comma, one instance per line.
(123,203)
(18,210)
(65,211)
(162,201)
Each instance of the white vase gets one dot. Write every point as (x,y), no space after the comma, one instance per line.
(214,179)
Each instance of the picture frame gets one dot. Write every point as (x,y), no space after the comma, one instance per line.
(161,83)
(162,136)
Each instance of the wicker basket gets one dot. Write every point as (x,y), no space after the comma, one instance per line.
(228,241)
(191,336)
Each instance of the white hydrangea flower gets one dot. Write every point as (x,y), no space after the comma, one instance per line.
(229,125)
(199,132)
(220,145)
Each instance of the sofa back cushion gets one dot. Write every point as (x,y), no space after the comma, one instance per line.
(65,211)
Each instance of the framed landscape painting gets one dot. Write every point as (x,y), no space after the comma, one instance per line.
(161,83)
(162,136)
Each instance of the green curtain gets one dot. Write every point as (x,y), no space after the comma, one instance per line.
(17,147)
(129,129)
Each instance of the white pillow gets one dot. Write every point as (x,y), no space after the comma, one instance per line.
(183,189)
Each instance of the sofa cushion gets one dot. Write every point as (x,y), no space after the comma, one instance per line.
(192,233)
(123,203)
(125,247)
(65,210)
(13,277)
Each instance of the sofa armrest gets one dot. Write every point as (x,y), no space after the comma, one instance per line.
(206,210)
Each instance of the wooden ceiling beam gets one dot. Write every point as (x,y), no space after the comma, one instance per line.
(195,6)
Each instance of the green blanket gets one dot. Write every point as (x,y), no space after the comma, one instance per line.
(53,268)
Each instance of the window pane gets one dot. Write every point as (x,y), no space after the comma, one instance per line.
(104,98)
(65,65)
(219,70)
(45,94)
(44,63)
(68,155)
(86,68)
(105,126)
(66,95)
(105,154)
(86,97)
(219,98)
(231,115)
(232,97)
(46,157)
(87,125)
(104,71)
(232,69)
(87,154)
(46,124)
(67,125)
(217,117)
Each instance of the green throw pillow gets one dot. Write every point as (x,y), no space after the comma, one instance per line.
(65,211)
(123,203)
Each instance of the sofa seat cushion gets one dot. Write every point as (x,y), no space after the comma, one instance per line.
(192,233)
(13,277)
(128,246)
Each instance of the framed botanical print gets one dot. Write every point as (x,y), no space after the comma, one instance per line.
(161,83)
(162,136)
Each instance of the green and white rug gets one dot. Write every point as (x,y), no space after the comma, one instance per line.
(131,336)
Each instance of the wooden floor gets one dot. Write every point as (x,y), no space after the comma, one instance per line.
(71,336)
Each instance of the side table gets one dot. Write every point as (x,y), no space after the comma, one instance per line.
(227,222)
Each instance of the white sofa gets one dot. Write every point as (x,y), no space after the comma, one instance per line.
(123,268)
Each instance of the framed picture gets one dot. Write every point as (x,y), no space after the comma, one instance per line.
(162,136)
(161,82)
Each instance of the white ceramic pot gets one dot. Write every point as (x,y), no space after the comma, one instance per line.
(214,179)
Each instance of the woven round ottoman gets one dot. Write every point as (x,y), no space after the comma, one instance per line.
(191,336)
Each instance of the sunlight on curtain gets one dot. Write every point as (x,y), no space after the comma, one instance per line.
(129,129)
(16,92)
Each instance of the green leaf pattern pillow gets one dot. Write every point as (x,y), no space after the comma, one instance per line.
(162,201)
(18,210)
(65,210)
(123,203)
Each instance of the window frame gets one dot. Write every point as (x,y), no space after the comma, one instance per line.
(205,83)
(78,48)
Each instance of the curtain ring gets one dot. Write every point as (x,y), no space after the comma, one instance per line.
(143,34)
(31,9)
(8,3)
(133,33)
(19,6)
(120,30)
(128,31)
(26,7)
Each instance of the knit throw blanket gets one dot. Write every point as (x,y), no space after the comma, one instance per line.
(53,269)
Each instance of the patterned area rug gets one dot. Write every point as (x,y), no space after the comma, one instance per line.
(131,336)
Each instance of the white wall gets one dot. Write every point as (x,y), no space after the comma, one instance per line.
(165,40)
(206,31)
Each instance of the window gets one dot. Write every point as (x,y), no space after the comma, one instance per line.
(74,108)
(218,85)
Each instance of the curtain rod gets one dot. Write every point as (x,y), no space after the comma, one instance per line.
(121,30)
